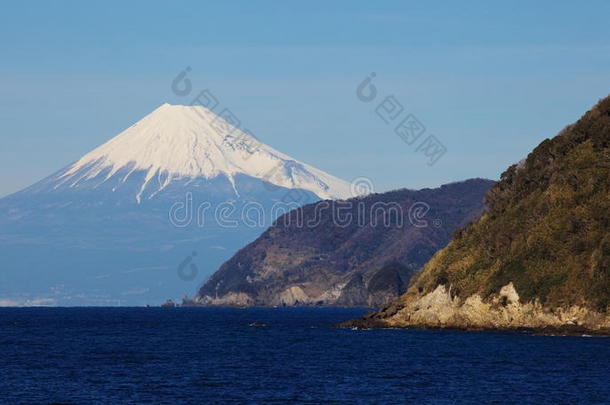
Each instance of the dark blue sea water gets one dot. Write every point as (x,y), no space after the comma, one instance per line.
(201,355)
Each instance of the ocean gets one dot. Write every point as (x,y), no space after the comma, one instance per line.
(213,355)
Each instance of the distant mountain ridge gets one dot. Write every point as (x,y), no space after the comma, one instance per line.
(539,258)
(349,263)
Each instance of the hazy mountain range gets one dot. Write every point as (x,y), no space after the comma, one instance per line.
(359,252)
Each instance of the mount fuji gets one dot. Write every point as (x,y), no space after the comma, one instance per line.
(150,213)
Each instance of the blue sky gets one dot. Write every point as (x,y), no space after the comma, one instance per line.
(490,81)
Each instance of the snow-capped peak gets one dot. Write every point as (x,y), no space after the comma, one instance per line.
(177,142)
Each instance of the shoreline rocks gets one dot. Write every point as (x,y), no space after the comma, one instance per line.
(502,312)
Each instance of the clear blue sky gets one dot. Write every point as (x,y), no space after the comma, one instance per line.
(490,81)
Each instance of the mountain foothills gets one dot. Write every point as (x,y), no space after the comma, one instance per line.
(98,232)
(538,259)
(359,252)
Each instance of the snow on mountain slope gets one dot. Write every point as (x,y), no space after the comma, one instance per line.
(115,226)
(177,142)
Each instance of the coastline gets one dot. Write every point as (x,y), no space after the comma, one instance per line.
(567,330)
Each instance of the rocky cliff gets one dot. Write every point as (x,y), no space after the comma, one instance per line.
(358,252)
(539,258)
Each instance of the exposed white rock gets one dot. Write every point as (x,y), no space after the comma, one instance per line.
(231,299)
(510,293)
(505,311)
(293,295)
